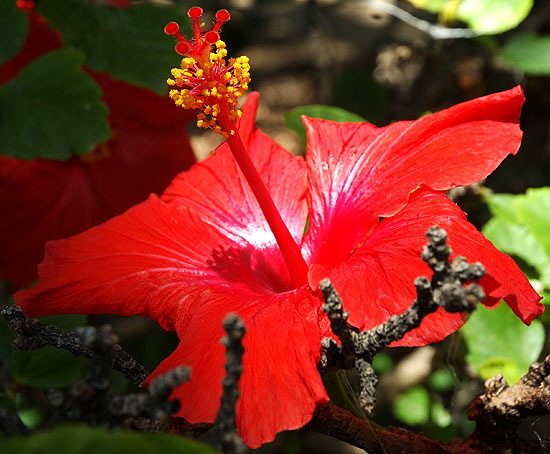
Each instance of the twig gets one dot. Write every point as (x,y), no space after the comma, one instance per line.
(435,31)
(446,289)
(223,434)
(32,334)
(92,401)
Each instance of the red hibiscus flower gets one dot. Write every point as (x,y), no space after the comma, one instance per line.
(43,199)
(364,196)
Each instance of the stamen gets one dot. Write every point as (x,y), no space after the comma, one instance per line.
(210,84)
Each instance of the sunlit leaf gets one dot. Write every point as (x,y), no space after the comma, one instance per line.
(413,406)
(483,16)
(499,342)
(442,380)
(528,53)
(534,211)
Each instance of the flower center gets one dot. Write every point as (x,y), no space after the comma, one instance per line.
(208,83)
(205,81)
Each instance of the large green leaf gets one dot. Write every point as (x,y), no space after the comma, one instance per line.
(520,227)
(516,240)
(483,16)
(501,206)
(128,43)
(499,342)
(528,53)
(77,439)
(493,16)
(52,109)
(14,27)
(293,118)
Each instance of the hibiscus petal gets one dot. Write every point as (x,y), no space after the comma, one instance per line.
(376,282)
(141,263)
(358,172)
(149,146)
(161,260)
(280,385)
(40,200)
(218,191)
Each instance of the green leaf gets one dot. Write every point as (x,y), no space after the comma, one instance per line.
(440,415)
(293,118)
(500,206)
(77,439)
(433,6)
(498,341)
(534,211)
(520,228)
(528,53)
(128,43)
(493,16)
(515,239)
(413,406)
(52,109)
(14,27)
(382,363)
(484,16)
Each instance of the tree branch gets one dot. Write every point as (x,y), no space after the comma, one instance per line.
(446,289)
(32,334)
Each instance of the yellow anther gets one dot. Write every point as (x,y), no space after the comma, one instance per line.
(212,85)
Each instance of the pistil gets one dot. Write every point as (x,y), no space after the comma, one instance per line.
(205,82)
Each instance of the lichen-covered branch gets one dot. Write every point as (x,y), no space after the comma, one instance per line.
(32,334)
(445,289)
(223,434)
(91,399)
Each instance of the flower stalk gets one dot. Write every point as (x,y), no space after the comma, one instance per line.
(207,83)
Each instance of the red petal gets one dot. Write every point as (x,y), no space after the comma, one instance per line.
(358,172)
(144,262)
(280,385)
(148,148)
(217,190)
(163,261)
(376,282)
(247,122)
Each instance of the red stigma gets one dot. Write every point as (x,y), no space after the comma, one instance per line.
(171,28)
(211,37)
(200,41)
(182,48)
(195,12)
